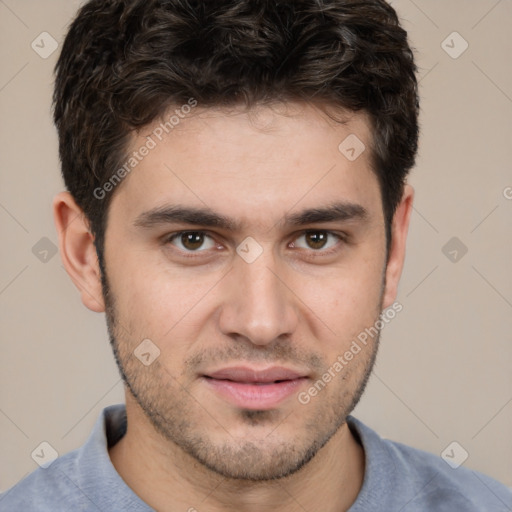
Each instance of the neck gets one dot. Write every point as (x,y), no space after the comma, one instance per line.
(168,479)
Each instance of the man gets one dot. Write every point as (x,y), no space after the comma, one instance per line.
(237,205)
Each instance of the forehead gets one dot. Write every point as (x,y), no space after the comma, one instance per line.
(257,163)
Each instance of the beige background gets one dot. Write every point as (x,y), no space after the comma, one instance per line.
(444,370)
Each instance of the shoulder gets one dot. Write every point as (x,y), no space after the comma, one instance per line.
(441,485)
(81,480)
(48,489)
(422,481)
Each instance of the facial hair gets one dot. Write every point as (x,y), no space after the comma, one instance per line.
(177,415)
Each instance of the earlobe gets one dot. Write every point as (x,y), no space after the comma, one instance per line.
(78,253)
(396,258)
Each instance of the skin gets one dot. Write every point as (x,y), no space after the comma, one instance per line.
(297,305)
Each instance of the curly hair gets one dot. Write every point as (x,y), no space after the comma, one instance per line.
(124,63)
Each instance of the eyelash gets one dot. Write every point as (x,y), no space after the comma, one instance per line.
(314,253)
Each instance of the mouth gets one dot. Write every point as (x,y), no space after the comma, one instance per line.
(254,389)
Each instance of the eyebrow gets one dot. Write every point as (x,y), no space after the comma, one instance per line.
(339,211)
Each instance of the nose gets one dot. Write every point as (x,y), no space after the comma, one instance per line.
(258,304)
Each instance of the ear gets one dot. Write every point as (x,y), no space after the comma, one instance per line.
(399,228)
(77,250)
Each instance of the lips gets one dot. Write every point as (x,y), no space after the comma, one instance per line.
(254,389)
(249,375)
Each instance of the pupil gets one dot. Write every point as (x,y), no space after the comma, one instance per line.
(192,240)
(316,240)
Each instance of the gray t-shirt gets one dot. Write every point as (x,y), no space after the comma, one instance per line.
(397,478)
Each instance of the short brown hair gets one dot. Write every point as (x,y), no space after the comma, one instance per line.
(125,62)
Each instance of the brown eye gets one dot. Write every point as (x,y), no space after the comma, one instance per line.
(319,241)
(316,239)
(192,241)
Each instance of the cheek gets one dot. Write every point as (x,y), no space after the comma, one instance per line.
(161,302)
(347,301)
(157,302)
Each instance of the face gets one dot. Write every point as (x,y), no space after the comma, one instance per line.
(251,253)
